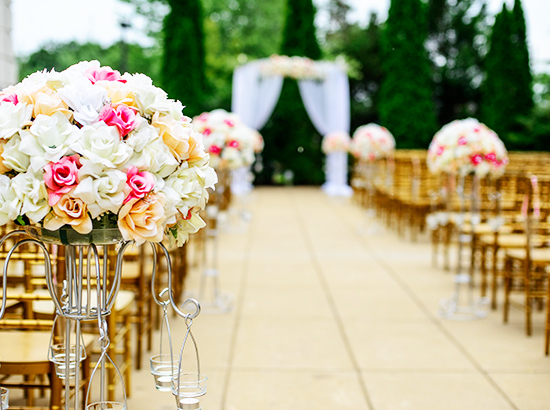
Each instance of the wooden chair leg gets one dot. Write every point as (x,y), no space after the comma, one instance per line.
(547,325)
(483,261)
(494,278)
(128,355)
(528,299)
(507,287)
(55,382)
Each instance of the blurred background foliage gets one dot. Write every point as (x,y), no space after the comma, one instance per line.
(477,67)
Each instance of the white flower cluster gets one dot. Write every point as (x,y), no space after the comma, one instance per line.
(335,141)
(86,142)
(229,141)
(298,68)
(466,146)
(371,142)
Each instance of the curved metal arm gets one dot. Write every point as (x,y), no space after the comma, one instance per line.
(47,266)
(118,275)
(5,274)
(171,294)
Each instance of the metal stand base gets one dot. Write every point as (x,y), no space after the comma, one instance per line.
(452,309)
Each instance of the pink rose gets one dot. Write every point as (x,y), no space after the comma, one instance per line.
(491,157)
(207,132)
(214,149)
(12,98)
(476,159)
(203,117)
(462,141)
(229,123)
(139,183)
(233,144)
(123,117)
(61,177)
(440,150)
(103,74)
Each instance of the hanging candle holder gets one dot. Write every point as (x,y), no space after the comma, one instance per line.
(104,343)
(57,353)
(164,365)
(189,387)
(5,402)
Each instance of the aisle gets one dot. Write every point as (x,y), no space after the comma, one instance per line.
(329,319)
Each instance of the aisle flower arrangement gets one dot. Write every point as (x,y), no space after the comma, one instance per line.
(88,147)
(228,140)
(467,146)
(258,144)
(298,68)
(371,142)
(335,141)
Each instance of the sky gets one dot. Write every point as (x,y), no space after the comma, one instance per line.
(98,21)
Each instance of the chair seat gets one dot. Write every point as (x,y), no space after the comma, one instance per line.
(26,352)
(485,229)
(510,240)
(537,255)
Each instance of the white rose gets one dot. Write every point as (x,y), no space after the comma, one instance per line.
(186,227)
(104,193)
(85,99)
(13,157)
(30,191)
(48,139)
(101,145)
(146,94)
(13,118)
(142,136)
(156,158)
(10,206)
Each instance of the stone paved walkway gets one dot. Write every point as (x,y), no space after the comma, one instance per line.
(327,318)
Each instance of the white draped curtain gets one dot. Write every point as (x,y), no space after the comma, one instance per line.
(326,101)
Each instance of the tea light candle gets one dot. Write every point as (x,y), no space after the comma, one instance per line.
(189,403)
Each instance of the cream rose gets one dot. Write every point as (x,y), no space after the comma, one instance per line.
(143,219)
(48,102)
(70,210)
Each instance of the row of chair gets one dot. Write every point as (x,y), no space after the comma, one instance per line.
(505,221)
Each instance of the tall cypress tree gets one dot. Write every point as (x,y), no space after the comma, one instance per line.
(520,60)
(499,89)
(291,140)
(406,102)
(183,59)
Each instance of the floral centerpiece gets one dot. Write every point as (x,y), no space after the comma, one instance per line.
(335,141)
(88,147)
(298,68)
(228,140)
(466,146)
(371,142)
(258,143)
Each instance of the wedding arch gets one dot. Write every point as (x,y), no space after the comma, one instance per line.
(324,89)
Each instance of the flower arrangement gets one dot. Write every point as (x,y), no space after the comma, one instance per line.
(371,142)
(229,142)
(88,147)
(466,146)
(258,143)
(298,68)
(335,141)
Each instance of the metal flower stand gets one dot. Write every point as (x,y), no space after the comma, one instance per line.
(210,295)
(466,307)
(88,293)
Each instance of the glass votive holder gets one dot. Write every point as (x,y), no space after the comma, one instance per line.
(106,405)
(5,402)
(58,357)
(164,368)
(190,387)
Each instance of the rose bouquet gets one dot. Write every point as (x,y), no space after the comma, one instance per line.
(466,146)
(228,140)
(258,143)
(371,142)
(88,147)
(335,142)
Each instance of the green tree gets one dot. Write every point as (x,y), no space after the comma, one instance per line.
(457,44)
(62,55)
(406,105)
(183,62)
(498,90)
(291,141)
